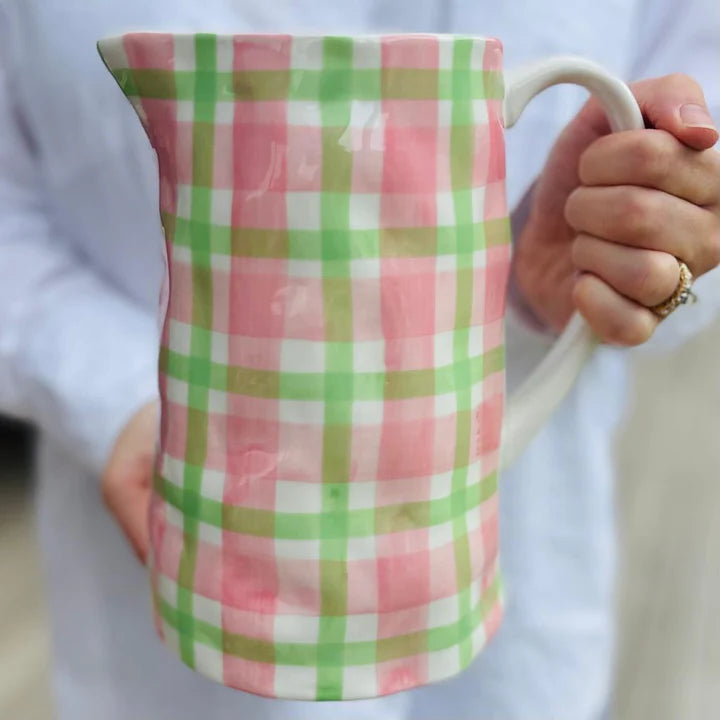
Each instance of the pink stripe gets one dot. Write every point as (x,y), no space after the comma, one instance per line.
(174,430)
(252,408)
(181,291)
(252,448)
(493,337)
(301,456)
(397,675)
(411,353)
(304,159)
(497,273)
(410,164)
(249,623)
(406,448)
(298,587)
(362,586)
(249,676)
(443,578)
(261,52)
(411,113)
(168,553)
(150,50)
(496,142)
(403,622)
(258,158)
(490,462)
(490,423)
(444,446)
(260,353)
(403,577)
(493,57)
(408,297)
(208,571)
(249,582)
(488,541)
(404,490)
(401,51)
(216,457)
(495,200)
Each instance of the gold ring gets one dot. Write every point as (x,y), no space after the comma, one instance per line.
(683,293)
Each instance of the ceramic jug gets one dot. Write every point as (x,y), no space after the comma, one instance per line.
(324,516)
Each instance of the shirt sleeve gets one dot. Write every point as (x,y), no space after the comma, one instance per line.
(77,357)
(682,37)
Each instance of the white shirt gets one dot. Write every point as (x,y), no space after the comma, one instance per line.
(80,275)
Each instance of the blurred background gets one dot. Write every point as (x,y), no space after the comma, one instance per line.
(668,499)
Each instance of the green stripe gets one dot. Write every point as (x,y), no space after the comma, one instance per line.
(336,80)
(307,85)
(199,365)
(340,386)
(353,653)
(315,526)
(308,245)
(462,154)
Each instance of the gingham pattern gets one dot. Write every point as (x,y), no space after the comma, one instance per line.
(324,522)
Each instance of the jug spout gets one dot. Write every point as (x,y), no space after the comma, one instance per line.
(143,67)
(115,56)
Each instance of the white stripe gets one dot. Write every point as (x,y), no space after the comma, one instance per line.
(184,51)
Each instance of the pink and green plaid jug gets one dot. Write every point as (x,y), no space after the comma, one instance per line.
(324,523)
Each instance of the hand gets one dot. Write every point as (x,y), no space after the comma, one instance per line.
(610,213)
(127,480)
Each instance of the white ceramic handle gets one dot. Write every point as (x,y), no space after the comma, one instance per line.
(534,401)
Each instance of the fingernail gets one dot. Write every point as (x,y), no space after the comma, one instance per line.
(694,115)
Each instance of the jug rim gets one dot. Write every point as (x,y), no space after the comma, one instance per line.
(313,36)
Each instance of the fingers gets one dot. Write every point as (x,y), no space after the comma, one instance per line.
(129,504)
(645,276)
(613,318)
(127,480)
(653,159)
(646,198)
(648,219)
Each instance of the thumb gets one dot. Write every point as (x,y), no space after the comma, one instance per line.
(676,103)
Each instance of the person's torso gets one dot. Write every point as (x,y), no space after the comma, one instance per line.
(101,189)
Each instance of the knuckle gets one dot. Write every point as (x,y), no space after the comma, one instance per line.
(639,212)
(681,80)
(651,156)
